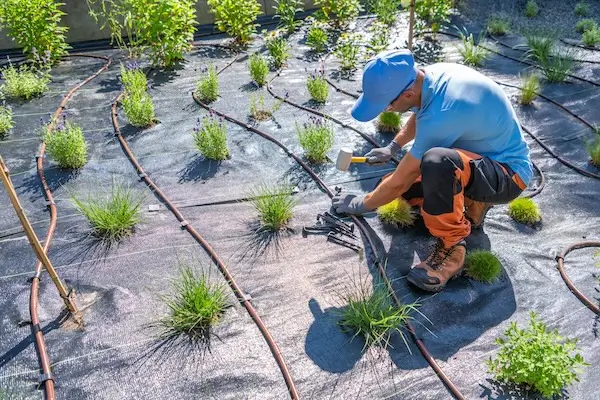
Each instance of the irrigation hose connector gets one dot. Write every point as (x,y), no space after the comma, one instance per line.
(67,296)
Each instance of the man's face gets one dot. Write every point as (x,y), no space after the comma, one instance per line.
(403,103)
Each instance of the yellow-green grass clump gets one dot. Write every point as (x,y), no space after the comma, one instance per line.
(274,205)
(389,121)
(525,211)
(531,88)
(483,266)
(398,212)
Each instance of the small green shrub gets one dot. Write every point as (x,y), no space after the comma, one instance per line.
(389,121)
(525,211)
(398,212)
(530,88)
(274,205)
(432,13)
(539,46)
(278,48)
(586,25)
(472,53)
(66,144)
(208,85)
(316,138)
(210,136)
(259,69)
(537,357)
(594,149)
(286,11)
(531,9)
(317,87)
(236,17)
(113,215)
(591,37)
(497,25)
(316,37)
(35,26)
(347,50)
(6,120)
(136,102)
(259,111)
(195,307)
(374,316)
(483,266)
(582,9)
(340,12)
(24,82)
(386,11)
(558,66)
(380,38)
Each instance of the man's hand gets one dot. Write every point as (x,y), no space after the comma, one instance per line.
(349,204)
(382,155)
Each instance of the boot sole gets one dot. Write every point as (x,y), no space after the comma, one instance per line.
(436,288)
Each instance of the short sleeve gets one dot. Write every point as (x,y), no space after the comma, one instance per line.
(432,133)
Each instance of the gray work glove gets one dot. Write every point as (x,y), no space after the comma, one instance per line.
(349,204)
(382,155)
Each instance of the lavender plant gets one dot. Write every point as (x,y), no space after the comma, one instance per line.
(65,143)
(316,138)
(316,37)
(591,37)
(24,82)
(136,102)
(208,85)
(259,69)
(6,120)
(210,136)
(317,87)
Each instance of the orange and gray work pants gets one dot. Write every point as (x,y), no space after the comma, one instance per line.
(450,175)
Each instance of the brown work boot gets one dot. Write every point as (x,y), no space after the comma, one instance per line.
(441,265)
(475,212)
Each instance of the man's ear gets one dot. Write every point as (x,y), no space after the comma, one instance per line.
(408,94)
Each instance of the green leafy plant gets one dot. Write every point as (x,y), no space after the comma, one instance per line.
(236,17)
(559,65)
(531,9)
(386,10)
(259,69)
(196,306)
(210,136)
(380,38)
(6,120)
(582,9)
(539,46)
(537,357)
(136,102)
(432,13)
(340,12)
(113,214)
(585,24)
(165,28)
(347,51)
(389,121)
(483,266)
(66,144)
(35,26)
(594,150)
(208,85)
(24,82)
(398,212)
(525,211)
(316,138)
(259,111)
(472,53)
(591,37)
(317,87)
(316,37)
(278,48)
(274,205)
(497,25)
(286,11)
(530,88)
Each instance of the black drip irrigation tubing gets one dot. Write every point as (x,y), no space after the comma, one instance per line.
(365,233)
(240,295)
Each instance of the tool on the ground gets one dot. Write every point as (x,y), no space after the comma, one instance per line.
(315,230)
(334,220)
(331,237)
(345,158)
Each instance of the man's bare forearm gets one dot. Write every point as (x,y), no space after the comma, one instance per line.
(407,133)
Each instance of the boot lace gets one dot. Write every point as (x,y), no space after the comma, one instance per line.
(440,253)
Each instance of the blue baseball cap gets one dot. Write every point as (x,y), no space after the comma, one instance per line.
(385,77)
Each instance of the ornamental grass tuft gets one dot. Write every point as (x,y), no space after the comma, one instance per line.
(497,25)
(531,9)
(559,65)
(6,121)
(274,205)
(258,109)
(530,88)
(537,357)
(195,307)
(525,211)
(539,46)
(472,53)
(317,87)
(398,212)
(210,136)
(389,121)
(594,149)
(207,86)
(66,144)
(23,82)
(582,9)
(585,24)
(316,138)
(259,69)
(483,266)
(591,37)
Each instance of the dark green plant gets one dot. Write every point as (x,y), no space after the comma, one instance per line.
(136,102)
(207,87)
(35,26)
(196,306)
(316,37)
(582,9)
(316,138)
(586,25)
(286,11)
(591,37)
(274,205)
(340,12)
(594,149)
(6,120)
(259,69)
(380,38)
(537,357)
(432,13)
(258,109)
(497,25)
(472,53)
(389,121)
(483,266)
(23,82)
(530,88)
(539,46)
(278,48)
(114,214)
(531,9)
(210,136)
(398,212)
(66,144)
(317,87)
(236,17)
(559,65)
(386,11)
(525,211)
(347,50)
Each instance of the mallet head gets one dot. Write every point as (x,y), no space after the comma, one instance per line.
(345,159)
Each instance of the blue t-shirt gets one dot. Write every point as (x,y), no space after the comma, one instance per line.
(463,109)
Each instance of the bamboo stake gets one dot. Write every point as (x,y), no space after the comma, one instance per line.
(36,245)
(411,24)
